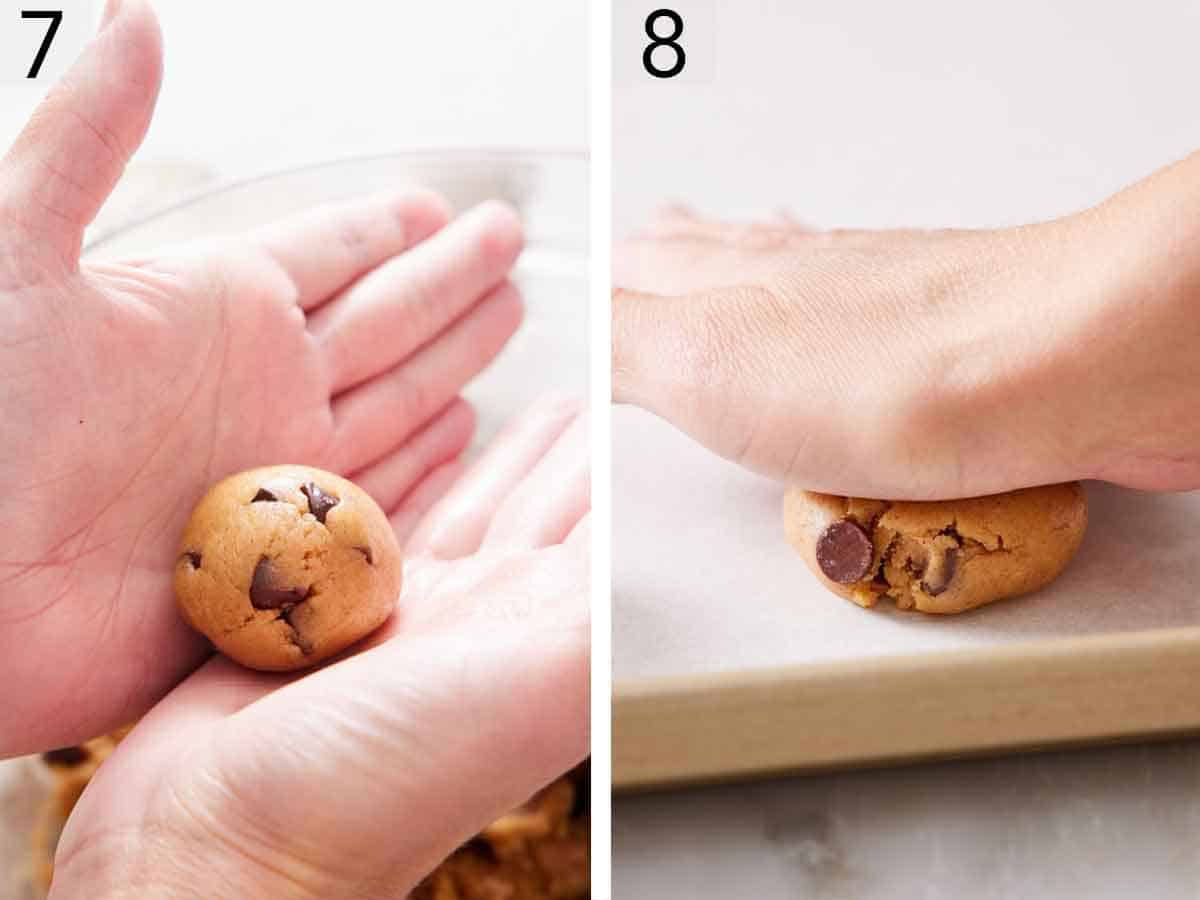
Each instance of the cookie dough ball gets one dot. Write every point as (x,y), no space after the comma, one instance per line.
(283,566)
(938,557)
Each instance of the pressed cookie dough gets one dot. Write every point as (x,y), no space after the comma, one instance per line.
(937,557)
(284,566)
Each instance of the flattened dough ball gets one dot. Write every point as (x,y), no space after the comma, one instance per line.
(937,557)
(284,566)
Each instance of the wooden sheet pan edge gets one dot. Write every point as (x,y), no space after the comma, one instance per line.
(831,715)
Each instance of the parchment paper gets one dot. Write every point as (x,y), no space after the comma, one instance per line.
(703,580)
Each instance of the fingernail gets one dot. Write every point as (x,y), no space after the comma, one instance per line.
(111,8)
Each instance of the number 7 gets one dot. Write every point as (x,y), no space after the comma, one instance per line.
(55,17)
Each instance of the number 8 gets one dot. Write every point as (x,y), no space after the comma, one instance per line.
(668,41)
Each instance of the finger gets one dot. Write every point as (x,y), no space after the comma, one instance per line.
(383,412)
(747,236)
(325,249)
(64,164)
(390,312)
(663,267)
(455,527)
(675,219)
(781,216)
(547,504)
(581,534)
(413,508)
(687,263)
(213,692)
(677,358)
(441,439)
(669,215)
(639,337)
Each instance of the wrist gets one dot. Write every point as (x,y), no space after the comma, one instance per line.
(1138,370)
(1000,396)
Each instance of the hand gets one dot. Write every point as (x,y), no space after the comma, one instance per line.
(926,364)
(355,780)
(339,339)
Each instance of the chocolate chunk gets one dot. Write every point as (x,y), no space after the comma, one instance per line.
(296,637)
(264,495)
(319,502)
(67,756)
(583,795)
(844,552)
(939,577)
(265,594)
(193,557)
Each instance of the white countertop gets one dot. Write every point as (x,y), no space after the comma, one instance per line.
(918,114)
(1112,823)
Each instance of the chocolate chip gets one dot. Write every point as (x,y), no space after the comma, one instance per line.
(583,795)
(941,576)
(67,756)
(319,502)
(264,495)
(366,552)
(265,594)
(296,637)
(844,552)
(193,557)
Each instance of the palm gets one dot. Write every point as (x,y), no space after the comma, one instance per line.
(149,390)
(172,373)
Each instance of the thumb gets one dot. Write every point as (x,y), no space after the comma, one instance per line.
(65,162)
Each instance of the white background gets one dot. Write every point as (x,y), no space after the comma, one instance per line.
(256,86)
(865,113)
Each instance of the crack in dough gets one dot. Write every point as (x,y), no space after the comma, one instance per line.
(947,556)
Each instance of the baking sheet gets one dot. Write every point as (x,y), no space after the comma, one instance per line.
(731,660)
(703,580)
